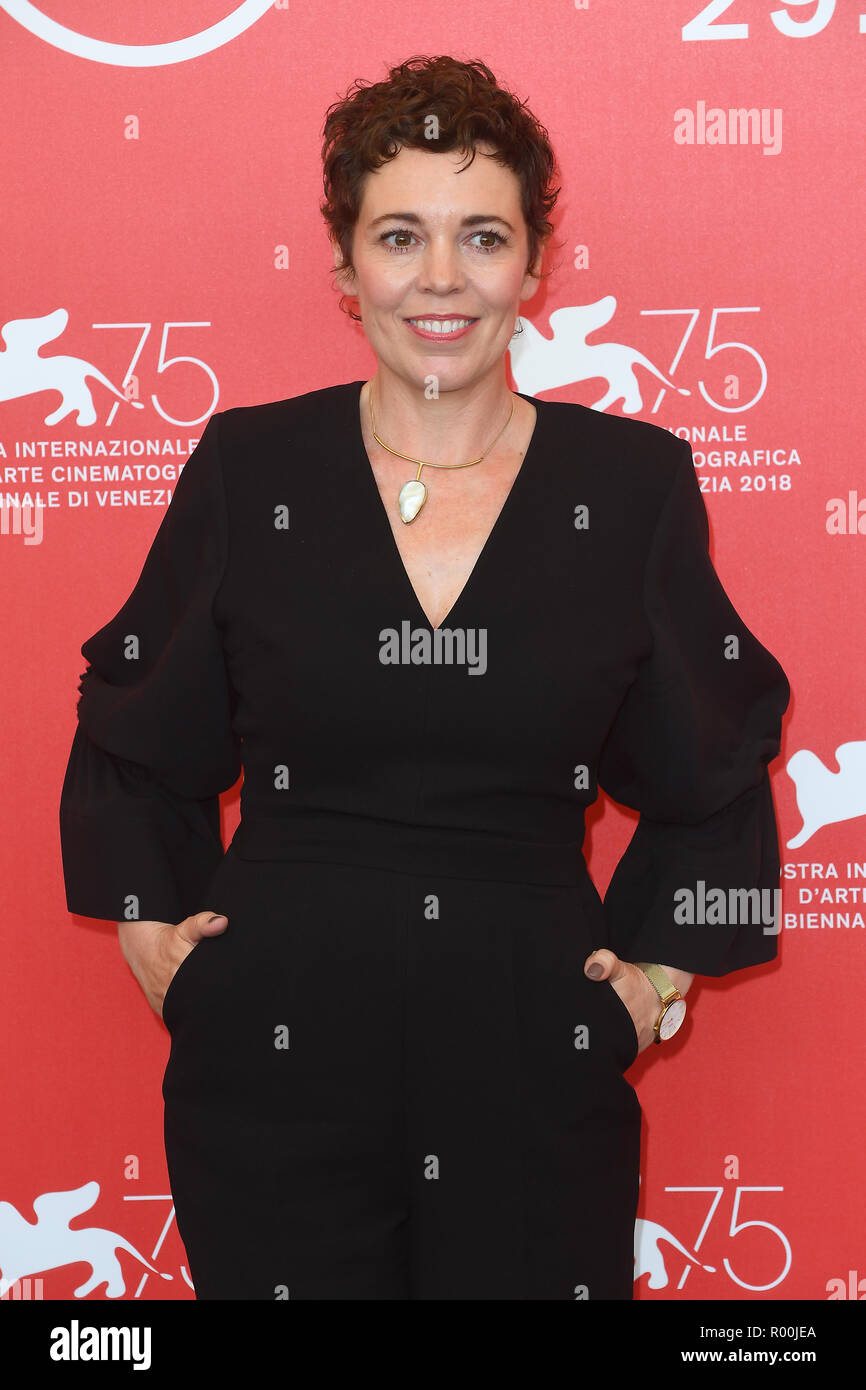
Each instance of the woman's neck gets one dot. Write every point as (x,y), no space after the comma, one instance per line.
(451,428)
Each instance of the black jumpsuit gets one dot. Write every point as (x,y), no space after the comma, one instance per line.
(389,1077)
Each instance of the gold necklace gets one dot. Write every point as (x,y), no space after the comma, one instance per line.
(413,494)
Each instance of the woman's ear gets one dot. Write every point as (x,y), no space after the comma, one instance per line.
(345,273)
(531,279)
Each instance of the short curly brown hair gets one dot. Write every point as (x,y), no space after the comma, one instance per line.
(366,129)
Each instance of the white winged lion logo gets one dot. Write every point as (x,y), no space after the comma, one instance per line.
(28,1247)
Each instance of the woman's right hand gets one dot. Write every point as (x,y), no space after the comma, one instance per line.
(154,950)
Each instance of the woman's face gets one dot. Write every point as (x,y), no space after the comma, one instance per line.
(434,242)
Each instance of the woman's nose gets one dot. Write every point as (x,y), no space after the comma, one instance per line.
(440,265)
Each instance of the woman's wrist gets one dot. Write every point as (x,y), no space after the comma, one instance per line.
(681,978)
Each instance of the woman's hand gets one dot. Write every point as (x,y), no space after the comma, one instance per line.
(154,950)
(635,989)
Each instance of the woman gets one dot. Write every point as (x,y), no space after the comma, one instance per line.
(431,617)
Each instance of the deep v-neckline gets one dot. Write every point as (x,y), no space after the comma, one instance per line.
(371,488)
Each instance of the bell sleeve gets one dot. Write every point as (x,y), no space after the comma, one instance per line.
(689,749)
(154,744)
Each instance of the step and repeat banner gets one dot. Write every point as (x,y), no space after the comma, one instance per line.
(163,257)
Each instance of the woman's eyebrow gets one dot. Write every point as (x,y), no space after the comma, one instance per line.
(471,221)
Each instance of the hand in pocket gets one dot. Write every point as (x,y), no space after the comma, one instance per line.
(633,987)
(155,951)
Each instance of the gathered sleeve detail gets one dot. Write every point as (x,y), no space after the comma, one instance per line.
(154,744)
(689,749)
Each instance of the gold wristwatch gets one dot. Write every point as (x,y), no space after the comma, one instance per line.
(673,1004)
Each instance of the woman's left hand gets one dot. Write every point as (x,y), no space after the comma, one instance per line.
(634,989)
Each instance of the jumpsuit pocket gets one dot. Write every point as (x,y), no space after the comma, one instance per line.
(628,1046)
(177,981)
(215,901)
(628,1032)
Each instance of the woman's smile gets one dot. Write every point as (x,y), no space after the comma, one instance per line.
(441,328)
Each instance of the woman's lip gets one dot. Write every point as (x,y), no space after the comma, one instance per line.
(442,337)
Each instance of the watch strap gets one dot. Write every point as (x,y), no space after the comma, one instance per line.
(664,988)
(660,981)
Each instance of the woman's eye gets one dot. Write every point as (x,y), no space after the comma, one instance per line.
(385,235)
(488,232)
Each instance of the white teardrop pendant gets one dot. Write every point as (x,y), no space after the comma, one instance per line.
(412,497)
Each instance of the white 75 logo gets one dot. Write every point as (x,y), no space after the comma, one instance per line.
(163,365)
(734,1230)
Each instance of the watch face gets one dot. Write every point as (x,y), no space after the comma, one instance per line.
(673,1017)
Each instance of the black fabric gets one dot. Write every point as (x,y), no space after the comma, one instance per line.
(367,1101)
(154,746)
(605,649)
(377,795)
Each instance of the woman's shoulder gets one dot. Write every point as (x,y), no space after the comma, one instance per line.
(308,410)
(626,452)
(629,434)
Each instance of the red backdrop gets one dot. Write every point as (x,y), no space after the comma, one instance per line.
(161,181)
